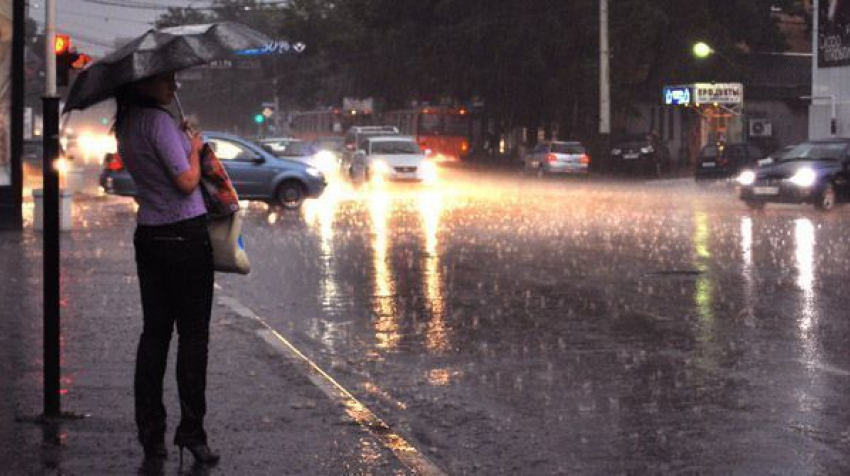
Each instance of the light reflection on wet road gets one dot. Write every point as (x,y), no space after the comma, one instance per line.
(508,325)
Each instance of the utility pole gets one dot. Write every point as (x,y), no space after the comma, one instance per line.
(604,72)
(604,82)
(50,112)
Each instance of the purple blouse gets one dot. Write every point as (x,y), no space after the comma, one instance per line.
(155,151)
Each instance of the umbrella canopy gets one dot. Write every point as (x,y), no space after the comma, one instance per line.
(160,51)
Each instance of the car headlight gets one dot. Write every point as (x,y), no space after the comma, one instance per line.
(314,172)
(747,177)
(429,171)
(380,167)
(804,177)
(325,160)
(616,151)
(647,150)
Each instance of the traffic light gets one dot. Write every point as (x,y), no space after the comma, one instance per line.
(66,58)
(259,118)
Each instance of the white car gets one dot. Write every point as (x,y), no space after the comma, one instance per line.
(391,158)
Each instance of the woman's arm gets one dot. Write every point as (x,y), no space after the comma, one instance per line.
(187,181)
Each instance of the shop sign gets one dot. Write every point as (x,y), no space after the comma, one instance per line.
(720,93)
(833,33)
(677,95)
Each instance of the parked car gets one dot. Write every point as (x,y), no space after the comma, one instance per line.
(557,157)
(256,173)
(816,172)
(633,156)
(722,161)
(391,158)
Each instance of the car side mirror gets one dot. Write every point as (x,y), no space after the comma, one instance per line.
(258,160)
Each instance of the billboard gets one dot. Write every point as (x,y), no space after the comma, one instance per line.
(833,33)
(6,29)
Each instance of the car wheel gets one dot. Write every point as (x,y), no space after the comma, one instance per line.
(290,194)
(755,204)
(826,199)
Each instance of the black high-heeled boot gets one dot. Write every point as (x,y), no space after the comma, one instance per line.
(201,452)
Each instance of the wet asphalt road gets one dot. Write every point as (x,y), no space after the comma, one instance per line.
(508,325)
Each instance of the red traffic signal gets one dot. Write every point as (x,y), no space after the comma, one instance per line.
(62,44)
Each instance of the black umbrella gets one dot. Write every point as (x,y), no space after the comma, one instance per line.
(160,51)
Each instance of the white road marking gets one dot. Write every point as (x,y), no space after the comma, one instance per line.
(403,450)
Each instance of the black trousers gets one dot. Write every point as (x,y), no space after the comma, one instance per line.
(176,278)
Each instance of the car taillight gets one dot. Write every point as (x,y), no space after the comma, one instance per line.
(464,147)
(551,158)
(584,159)
(723,162)
(113,162)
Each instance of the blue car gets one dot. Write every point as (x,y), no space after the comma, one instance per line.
(816,172)
(256,173)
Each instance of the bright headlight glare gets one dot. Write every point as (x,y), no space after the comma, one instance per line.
(804,178)
(380,167)
(747,177)
(616,151)
(646,150)
(325,155)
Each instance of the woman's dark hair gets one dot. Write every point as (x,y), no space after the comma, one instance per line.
(128,97)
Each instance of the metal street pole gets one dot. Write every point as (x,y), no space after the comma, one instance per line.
(604,83)
(604,72)
(50,203)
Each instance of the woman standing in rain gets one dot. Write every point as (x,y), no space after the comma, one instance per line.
(174,263)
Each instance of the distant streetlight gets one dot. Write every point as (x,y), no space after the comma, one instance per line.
(702,50)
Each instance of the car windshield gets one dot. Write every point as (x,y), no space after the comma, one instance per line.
(328,144)
(457,125)
(711,152)
(395,147)
(561,148)
(815,151)
(293,149)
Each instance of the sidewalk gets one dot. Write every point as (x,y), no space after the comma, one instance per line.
(265,417)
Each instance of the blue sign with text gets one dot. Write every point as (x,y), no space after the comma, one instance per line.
(677,95)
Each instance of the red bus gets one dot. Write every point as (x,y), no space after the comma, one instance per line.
(443,131)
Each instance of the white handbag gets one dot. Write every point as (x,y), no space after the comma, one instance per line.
(229,254)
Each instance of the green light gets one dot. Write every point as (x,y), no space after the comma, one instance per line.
(702,50)
(104,120)
(259,118)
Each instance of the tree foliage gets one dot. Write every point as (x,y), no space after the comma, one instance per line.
(529,63)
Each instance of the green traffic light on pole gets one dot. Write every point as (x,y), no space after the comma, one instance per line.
(259,118)
(702,50)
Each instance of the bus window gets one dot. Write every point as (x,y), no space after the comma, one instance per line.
(457,125)
(429,124)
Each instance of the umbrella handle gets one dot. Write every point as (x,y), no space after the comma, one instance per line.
(179,108)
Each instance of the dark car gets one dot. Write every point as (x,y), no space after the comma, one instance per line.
(814,172)
(723,161)
(634,156)
(256,173)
